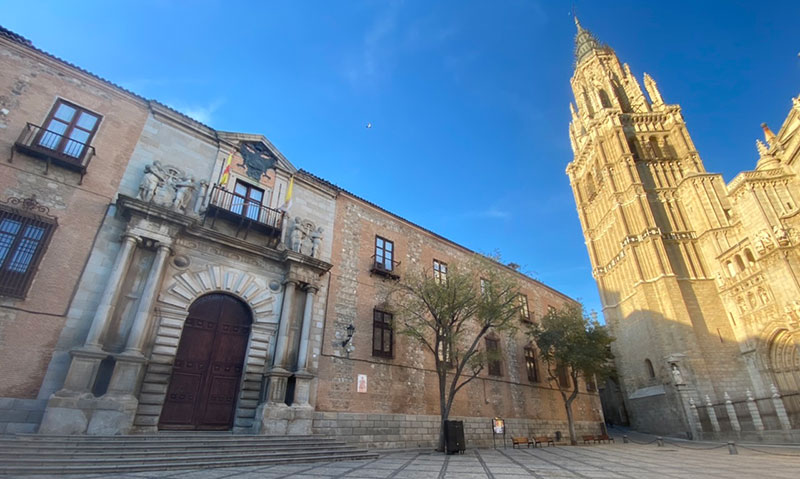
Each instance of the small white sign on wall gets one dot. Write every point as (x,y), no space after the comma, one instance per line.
(362,383)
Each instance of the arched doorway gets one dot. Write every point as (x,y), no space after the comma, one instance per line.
(784,364)
(208,366)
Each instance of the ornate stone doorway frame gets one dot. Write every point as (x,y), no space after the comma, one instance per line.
(172,308)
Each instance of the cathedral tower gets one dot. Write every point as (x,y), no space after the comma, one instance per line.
(632,157)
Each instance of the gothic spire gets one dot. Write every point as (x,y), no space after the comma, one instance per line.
(585,42)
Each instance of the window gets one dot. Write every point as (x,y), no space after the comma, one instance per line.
(384,254)
(524,312)
(68,129)
(649,366)
(439,271)
(23,239)
(247,200)
(382,334)
(562,373)
(531,365)
(493,356)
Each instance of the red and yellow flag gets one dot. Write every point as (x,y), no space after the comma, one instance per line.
(226,172)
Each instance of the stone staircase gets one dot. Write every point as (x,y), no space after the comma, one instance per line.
(41,454)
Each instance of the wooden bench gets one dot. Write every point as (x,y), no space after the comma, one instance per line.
(520,441)
(589,438)
(604,437)
(542,440)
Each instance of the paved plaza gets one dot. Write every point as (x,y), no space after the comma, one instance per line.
(683,460)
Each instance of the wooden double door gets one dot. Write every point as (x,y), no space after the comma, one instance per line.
(208,366)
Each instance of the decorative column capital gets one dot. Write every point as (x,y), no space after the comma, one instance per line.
(130,237)
(311,288)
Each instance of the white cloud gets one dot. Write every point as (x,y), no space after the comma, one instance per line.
(489,213)
(201,113)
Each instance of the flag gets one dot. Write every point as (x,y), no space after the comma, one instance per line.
(226,172)
(287,202)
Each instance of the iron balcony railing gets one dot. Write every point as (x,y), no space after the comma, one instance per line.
(385,267)
(54,147)
(248,214)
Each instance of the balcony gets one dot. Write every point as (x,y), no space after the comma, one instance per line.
(385,267)
(54,148)
(245,214)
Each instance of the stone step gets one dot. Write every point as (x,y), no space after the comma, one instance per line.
(169,458)
(96,468)
(164,442)
(39,454)
(150,451)
(161,437)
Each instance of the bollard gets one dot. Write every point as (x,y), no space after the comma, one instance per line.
(660,441)
(732,448)
(624,439)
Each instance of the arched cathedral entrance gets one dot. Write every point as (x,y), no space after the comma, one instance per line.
(784,364)
(207,372)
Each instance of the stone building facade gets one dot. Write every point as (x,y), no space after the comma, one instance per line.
(698,278)
(195,279)
(399,405)
(66,137)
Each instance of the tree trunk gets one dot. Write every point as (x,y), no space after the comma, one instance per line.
(443,409)
(573,438)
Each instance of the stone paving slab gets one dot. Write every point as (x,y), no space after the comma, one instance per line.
(689,460)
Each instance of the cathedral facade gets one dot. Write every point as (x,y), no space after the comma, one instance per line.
(158,274)
(698,278)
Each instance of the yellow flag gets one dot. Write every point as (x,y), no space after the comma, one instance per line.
(226,172)
(287,202)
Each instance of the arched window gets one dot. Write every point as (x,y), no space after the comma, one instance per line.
(729,266)
(649,366)
(591,189)
(654,147)
(604,100)
(739,262)
(588,103)
(751,260)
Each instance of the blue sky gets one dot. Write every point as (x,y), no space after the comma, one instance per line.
(468,99)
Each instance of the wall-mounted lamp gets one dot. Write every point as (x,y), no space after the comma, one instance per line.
(350,330)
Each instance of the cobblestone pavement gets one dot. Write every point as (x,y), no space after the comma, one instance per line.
(683,460)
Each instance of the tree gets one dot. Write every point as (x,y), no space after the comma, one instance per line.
(572,345)
(449,314)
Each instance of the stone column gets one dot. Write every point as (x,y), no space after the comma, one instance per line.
(130,364)
(277,375)
(780,410)
(282,343)
(732,414)
(712,415)
(137,334)
(111,292)
(308,318)
(753,407)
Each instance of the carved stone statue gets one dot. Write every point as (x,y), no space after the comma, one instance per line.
(316,242)
(780,235)
(184,191)
(677,377)
(763,242)
(304,237)
(153,178)
(296,234)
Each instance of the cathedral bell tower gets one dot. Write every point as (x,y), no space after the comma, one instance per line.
(632,153)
